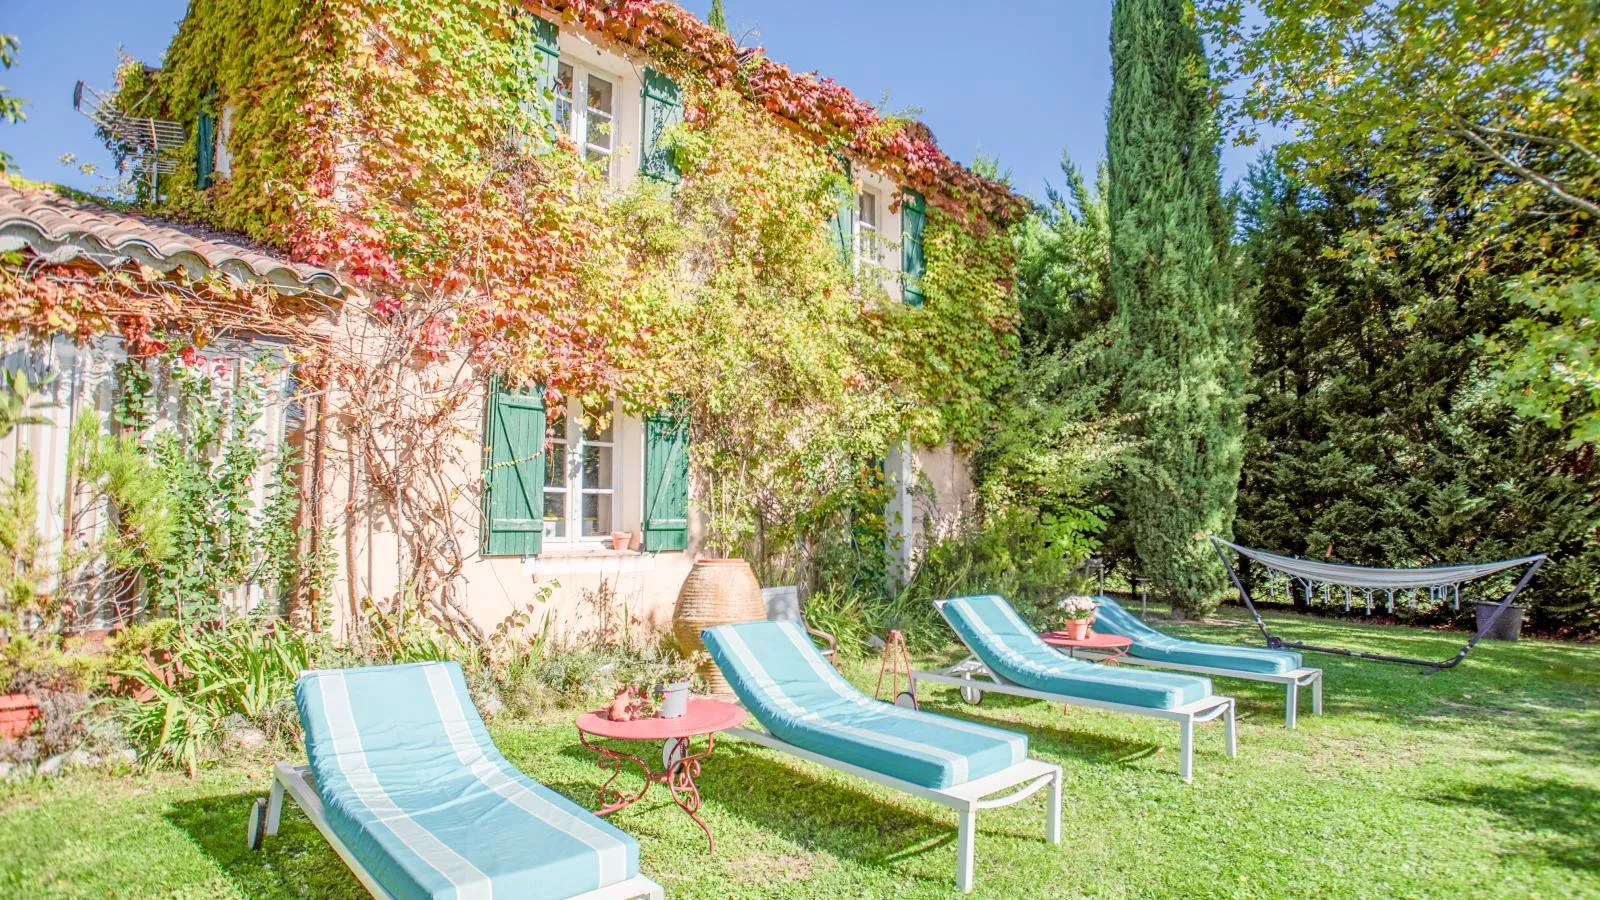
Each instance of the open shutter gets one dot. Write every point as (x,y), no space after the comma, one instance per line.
(539,50)
(205,150)
(663,108)
(513,478)
(842,227)
(913,216)
(666,482)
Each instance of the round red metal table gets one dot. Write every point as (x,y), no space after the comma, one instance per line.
(1115,645)
(679,764)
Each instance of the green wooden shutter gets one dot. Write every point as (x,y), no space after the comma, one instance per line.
(205,150)
(663,108)
(539,51)
(666,482)
(513,478)
(913,217)
(842,227)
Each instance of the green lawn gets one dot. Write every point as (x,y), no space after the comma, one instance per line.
(1483,781)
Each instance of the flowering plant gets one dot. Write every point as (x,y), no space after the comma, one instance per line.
(685,668)
(1077,608)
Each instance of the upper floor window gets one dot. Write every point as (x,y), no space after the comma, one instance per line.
(586,107)
(869,234)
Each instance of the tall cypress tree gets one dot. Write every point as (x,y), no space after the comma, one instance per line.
(717,18)
(1179,342)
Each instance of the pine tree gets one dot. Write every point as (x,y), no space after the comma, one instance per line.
(717,18)
(1179,343)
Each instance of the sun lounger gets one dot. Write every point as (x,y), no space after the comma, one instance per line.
(808,710)
(1152,648)
(1008,657)
(407,787)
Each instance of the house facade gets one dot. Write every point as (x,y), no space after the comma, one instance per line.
(549,489)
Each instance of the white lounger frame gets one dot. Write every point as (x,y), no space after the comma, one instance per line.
(1205,709)
(1291,681)
(966,799)
(296,781)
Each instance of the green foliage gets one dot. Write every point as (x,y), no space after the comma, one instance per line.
(210,464)
(22,578)
(242,668)
(10,105)
(1178,340)
(1375,436)
(16,401)
(718,17)
(1056,447)
(1551,357)
(115,470)
(1028,558)
(1490,103)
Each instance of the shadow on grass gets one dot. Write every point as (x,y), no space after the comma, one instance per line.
(295,862)
(816,809)
(1561,818)
(1495,677)
(1059,738)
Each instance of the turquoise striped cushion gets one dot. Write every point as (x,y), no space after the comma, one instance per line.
(997,636)
(1151,644)
(415,788)
(797,696)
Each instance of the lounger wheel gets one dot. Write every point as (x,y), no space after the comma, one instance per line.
(971,694)
(256,829)
(905,700)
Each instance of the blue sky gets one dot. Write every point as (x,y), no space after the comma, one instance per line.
(1018,80)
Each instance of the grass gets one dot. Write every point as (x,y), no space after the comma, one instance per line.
(1483,781)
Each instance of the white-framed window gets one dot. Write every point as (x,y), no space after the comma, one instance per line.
(586,109)
(223,162)
(869,233)
(580,480)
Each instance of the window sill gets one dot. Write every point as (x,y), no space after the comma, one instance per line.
(580,560)
(581,552)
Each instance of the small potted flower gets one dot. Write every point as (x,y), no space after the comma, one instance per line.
(1079,614)
(676,683)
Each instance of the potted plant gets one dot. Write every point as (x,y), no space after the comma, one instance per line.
(619,540)
(676,683)
(18,707)
(1078,611)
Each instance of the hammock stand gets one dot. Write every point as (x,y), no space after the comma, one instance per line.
(1441,582)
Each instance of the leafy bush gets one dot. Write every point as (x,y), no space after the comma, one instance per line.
(570,677)
(1030,561)
(242,669)
(60,681)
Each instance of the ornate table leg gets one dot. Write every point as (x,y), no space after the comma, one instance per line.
(611,799)
(680,781)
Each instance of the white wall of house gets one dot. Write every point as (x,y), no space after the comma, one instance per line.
(76,380)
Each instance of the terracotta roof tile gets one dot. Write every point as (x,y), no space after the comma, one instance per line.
(59,229)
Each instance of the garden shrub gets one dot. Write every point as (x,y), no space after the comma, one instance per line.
(1031,561)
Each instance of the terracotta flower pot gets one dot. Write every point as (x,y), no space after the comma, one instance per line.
(17,712)
(619,540)
(1077,629)
(717,591)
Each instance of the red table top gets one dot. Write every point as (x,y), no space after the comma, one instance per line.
(1095,640)
(704,717)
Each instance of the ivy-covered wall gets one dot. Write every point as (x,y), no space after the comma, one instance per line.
(405,144)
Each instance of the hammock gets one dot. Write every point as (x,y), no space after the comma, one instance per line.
(1441,582)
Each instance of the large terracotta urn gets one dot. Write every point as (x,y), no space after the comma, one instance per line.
(717,591)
